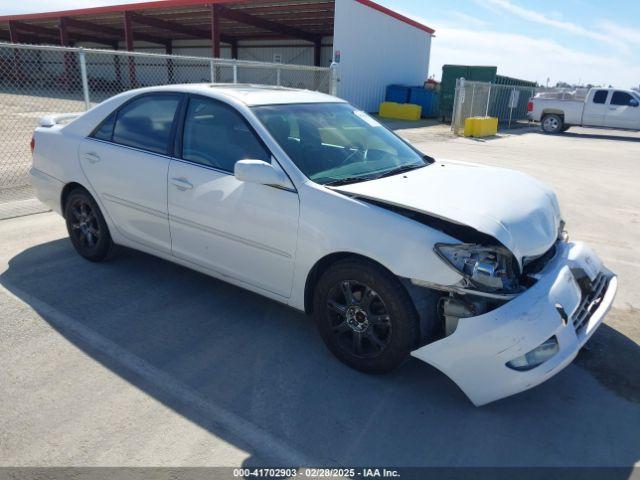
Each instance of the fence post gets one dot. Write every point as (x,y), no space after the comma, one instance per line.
(85,82)
(213,71)
(486,113)
(335,79)
(458,100)
(235,71)
(473,100)
(512,96)
(279,76)
(455,105)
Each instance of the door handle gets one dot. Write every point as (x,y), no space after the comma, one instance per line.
(182,184)
(92,157)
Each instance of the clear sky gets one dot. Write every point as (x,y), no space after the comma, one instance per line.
(588,41)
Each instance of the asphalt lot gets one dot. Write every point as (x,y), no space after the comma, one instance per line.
(140,362)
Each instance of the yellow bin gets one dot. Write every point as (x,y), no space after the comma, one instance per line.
(480,126)
(400,111)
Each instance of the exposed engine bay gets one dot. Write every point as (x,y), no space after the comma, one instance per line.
(491,275)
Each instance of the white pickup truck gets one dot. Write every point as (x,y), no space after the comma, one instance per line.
(602,107)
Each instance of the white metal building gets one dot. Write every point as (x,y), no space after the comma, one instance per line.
(378,47)
(374,45)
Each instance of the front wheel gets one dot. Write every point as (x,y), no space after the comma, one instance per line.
(365,317)
(552,123)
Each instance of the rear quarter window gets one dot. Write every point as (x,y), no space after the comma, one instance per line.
(105,129)
(600,96)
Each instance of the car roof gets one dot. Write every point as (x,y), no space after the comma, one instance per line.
(250,94)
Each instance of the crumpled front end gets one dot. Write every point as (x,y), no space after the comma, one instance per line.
(569,300)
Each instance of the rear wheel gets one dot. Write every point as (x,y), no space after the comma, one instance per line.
(552,123)
(87,228)
(365,316)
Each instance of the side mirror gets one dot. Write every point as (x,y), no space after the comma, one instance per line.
(633,102)
(263,173)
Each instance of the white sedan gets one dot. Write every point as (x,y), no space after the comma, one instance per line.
(301,197)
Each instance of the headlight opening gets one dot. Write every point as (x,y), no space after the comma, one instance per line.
(492,268)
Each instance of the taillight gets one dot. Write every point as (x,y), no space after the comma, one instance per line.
(530,107)
(33,144)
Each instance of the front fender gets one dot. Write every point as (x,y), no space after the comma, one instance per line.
(331,222)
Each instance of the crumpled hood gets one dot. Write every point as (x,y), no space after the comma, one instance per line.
(516,209)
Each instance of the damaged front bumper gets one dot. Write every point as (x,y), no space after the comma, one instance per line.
(476,354)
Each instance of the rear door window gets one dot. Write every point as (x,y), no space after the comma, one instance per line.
(600,96)
(146,122)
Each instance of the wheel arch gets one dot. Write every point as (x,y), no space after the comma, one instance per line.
(552,111)
(323,264)
(67,189)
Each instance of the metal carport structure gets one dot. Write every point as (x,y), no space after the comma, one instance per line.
(378,46)
(161,23)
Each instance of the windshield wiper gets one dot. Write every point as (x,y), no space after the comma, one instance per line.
(347,181)
(402,169)
(364,178)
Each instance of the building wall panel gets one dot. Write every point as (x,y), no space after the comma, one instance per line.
(376,50)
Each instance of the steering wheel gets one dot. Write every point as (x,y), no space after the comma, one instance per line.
(357,148)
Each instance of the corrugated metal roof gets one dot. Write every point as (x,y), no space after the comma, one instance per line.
(183,19)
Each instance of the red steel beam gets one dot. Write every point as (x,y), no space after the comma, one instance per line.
(112,31)
(215,31)
(234,50)
(168,49)
(128,40)
(18,72)
(258,22)
(175,27)
(35,29)
(118,70)
(128,31)
(317,52)
(152,5)
(294,7)
(14,36)
(93,27)
(69,63)
(64,34)
(51,33)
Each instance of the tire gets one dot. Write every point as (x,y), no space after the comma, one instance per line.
(552,124)
(86,226)
(365,316)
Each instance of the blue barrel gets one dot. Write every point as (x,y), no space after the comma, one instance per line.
(397,94)
(425,98)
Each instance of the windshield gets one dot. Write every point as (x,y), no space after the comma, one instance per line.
(334,143)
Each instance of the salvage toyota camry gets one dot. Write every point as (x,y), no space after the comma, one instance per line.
(303,198)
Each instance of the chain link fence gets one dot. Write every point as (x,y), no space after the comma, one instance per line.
(482,99)
(40,80)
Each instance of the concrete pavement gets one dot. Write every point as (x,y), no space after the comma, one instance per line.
(141,362)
